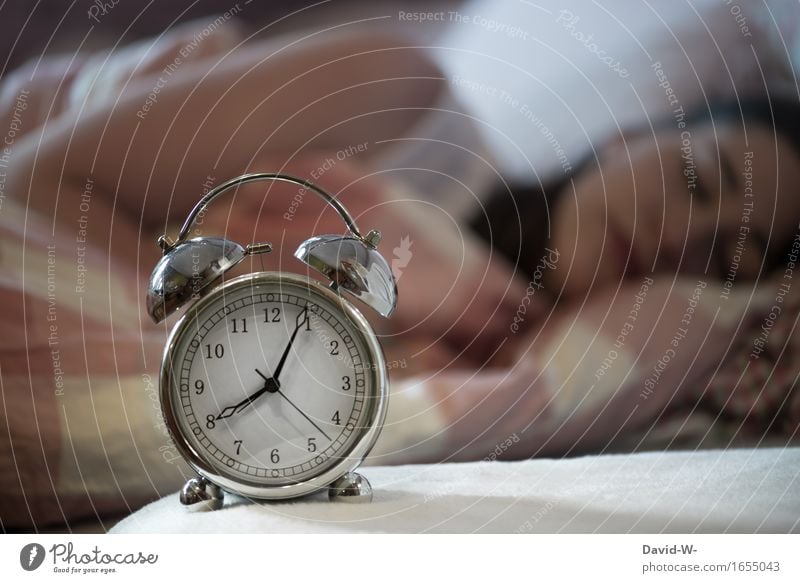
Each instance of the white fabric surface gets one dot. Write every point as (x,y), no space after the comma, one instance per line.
(529,96)
(705,491)
(561,93)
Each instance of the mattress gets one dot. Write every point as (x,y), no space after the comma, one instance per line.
(716,491)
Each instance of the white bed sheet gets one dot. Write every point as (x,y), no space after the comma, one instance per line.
(745,490)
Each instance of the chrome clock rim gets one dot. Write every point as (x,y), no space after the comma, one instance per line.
(357,452)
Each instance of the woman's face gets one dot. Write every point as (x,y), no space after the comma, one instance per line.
(689,201)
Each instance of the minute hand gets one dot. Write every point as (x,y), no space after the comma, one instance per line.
(301,319)
(299,410)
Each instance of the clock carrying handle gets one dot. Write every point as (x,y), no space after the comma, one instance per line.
(166,244)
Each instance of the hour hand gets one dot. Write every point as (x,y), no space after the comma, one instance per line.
(270,386)
(231,410)
(228,411)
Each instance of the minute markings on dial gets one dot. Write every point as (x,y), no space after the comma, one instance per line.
(339,327)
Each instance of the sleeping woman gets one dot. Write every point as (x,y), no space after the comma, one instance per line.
(621,308)
(660,308)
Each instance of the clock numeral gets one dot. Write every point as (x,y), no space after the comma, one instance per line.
(312,446)
(199,387)
(238,444)
(218,352)
(210,422)
(346,386)
(335,418)
(239,328)
(334,348)
(272,314)
(274,456)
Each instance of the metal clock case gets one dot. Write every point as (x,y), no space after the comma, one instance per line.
(221,380)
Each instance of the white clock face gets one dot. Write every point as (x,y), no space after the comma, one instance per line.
(272,383)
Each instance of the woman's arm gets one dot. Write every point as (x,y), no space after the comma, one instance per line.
(597,371)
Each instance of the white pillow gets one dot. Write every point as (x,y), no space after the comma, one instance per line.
(548,80)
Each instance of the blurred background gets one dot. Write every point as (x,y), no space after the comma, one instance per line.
(487,108)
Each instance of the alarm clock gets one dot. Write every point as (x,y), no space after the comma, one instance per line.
(273,385)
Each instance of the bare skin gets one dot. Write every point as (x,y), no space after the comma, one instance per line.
(637,211)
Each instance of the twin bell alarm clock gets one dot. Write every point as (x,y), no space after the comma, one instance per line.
(272,384)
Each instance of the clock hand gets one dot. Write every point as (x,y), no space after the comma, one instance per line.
(301,319)
(259,373)
(270,386)
(304,415)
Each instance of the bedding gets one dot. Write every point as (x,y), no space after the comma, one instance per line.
(81,433)
(79,444)
(600,67)
(738,490)
(657,363)
(76,445)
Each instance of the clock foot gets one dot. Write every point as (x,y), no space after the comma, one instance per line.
(351,487)
(201,494)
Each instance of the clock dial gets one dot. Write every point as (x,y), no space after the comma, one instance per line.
(272,383)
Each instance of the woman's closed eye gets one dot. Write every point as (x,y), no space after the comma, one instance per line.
(740,253)
(720,255)
(700,190)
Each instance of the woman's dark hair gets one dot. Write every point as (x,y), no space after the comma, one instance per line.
(782,117)
(517,220)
